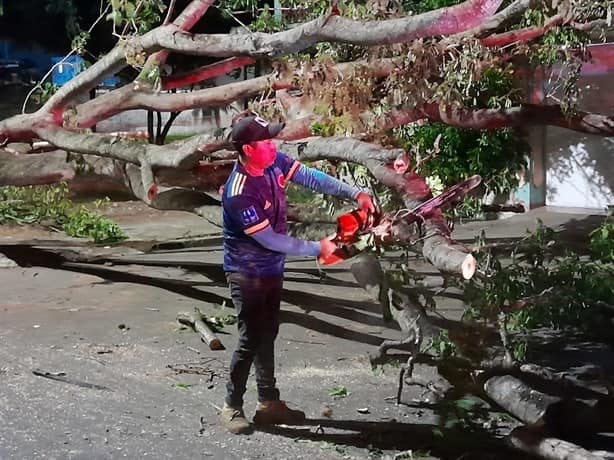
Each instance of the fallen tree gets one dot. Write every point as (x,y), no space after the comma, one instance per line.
(346,85)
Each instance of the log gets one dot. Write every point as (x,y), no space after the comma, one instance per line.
(564,416)
(534,441)
(518,398)
(195,321)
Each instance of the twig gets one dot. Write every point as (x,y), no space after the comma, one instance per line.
(310,342)
(237,19)
(502,320)
(25,102)
(217,408)
(433,154)
(61,377)
(529,300)
(169,12)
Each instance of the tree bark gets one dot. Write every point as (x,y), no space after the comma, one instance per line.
(560,415)
(535,442)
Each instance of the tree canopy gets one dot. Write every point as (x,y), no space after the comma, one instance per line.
(414,95)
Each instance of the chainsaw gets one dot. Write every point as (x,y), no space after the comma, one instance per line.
(352,225)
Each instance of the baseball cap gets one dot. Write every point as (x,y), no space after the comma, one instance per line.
(253,128)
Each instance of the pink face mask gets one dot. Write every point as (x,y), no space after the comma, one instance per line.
(263,154)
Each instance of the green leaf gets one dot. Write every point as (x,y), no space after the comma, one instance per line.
(130,10)
(339,392)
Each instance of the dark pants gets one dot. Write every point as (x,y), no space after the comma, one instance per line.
(256,301)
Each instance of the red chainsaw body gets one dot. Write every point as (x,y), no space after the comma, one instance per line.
(349,228)
(353,224)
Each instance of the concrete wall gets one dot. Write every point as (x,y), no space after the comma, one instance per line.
(580,167)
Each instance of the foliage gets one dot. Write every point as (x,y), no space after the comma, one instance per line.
(602,241)
(421,6)
(44,92)
(562,47)
(79,42)
(263,20)
(339,392)
(545,284)
(34,204)
(467,413)
(442,346)
(217,323)
(496,155)
(184,386)
(266,22)
(469,208)
(495,89)
(48,205)
(135,17)
(251,5)
(83,223)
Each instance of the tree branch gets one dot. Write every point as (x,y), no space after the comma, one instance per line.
(505,16)
(443,21)
(438,248)
(206,72)
(128,97)
(182,156)
(185,21)
(522,35)
(142,97)
(523,115)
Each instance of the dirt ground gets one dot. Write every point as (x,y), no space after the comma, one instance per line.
(94,366)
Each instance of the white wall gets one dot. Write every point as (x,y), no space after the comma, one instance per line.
(580,167)
(579,173)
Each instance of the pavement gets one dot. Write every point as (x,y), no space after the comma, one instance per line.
(94,366)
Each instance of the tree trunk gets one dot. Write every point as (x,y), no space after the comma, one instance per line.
(534,441)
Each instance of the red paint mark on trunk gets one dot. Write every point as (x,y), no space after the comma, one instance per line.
(152,192)
(463,17)
(206,73)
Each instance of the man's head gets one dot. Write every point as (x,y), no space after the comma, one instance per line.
(251,129)
(251,137)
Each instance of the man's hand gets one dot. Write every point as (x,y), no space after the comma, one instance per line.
(365,202)
(330,253)
(327,247)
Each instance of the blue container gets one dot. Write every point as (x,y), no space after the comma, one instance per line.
(64,72)
(110,82)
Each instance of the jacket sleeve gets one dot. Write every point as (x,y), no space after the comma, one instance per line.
(278,242)
(318,181)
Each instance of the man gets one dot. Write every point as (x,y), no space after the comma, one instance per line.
(255,245)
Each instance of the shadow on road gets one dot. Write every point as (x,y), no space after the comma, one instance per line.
(419,438)
(26,255)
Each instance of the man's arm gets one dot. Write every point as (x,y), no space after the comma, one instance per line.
(279,242)
(318,181)
(247,214)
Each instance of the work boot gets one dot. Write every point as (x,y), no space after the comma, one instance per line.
(277,413)
(234,420)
